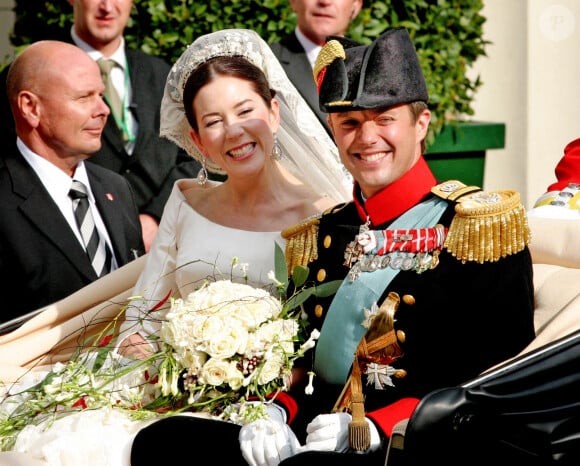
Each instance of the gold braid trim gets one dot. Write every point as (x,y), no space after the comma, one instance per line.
(379,340)
(301,247)
(340,103)
(332,50)
(488,226)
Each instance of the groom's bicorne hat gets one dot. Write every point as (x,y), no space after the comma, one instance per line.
(351,76)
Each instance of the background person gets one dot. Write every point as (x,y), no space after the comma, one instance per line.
(55,91)
(297,52)
(131,143)
(562,198)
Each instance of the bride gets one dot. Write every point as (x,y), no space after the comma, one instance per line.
(228,103)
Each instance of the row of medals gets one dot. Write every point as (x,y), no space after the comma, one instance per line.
(400,260)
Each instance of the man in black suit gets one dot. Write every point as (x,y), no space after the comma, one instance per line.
(56,95)
(131,143)
(297,52)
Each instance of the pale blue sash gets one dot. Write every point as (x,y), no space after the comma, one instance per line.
(342,330)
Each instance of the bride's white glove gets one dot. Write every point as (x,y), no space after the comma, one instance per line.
(329,432)
(267,442)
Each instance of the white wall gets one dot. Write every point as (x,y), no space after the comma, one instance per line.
(531,83)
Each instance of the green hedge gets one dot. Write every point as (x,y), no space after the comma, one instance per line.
(448,34)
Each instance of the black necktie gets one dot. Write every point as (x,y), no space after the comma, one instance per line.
(97,250)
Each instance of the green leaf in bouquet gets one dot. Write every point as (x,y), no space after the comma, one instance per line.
(281,272)
(299,275)
(321,291)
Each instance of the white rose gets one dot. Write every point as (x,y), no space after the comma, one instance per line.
(214,372)
(271,369)
(191,359)
(225,344)
(234,377)
(205,327)
(281,332)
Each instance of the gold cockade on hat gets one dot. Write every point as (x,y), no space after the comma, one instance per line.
(487,226)
(332,50)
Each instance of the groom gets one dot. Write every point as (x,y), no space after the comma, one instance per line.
(452,260)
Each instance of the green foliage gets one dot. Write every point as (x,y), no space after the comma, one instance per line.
(448,34)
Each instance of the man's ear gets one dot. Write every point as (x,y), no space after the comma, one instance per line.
(356,7)
(27,106)
(423,123)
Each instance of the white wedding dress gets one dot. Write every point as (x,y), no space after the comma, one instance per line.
(190,249)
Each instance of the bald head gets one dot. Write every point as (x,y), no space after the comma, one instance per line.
(56,95)
(43,62)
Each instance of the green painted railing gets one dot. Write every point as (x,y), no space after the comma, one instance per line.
(459,151)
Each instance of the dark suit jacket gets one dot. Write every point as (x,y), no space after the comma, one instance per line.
(41,260)
(293,59)
(156,163)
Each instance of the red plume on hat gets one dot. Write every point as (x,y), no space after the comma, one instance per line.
(351,76)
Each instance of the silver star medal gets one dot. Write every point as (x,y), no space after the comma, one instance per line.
(370,314)
(380,375)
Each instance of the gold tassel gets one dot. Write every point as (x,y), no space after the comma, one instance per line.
(488,226)
(301,243)
(382,340)
(359,432)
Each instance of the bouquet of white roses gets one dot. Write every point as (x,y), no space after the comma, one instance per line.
(226,348)
(225,344)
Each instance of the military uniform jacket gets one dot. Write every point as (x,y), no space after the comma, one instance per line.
(453,320)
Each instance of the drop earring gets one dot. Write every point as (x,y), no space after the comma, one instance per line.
(202,173)
(276,149)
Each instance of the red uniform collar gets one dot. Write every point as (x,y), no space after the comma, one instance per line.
(398,197)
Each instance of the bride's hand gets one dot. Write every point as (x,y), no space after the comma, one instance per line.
(135,346)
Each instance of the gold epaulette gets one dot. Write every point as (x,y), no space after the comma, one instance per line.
(301,248)
(487,225)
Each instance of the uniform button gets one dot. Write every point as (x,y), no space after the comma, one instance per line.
(401,336)
(318,310)
(327,241)
(408,299)
(321,275)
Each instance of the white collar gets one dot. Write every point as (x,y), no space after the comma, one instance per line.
(309,47)
(119,56)
(55,180)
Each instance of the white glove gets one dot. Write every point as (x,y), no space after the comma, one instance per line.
(329,432)
(267,442)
